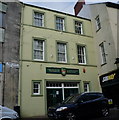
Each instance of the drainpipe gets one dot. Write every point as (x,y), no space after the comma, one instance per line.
(21,53)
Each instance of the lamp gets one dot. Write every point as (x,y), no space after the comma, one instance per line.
(117,63)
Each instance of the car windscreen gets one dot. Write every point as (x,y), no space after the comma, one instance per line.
(71,99)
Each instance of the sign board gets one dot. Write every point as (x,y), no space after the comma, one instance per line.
(111,78)
(63,71)
(1,70)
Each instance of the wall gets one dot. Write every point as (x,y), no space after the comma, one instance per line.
(10,54)
(32,106)
(106,35)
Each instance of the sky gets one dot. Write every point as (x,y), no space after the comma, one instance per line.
(66,6)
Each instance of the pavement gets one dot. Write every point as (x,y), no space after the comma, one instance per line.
(114,115)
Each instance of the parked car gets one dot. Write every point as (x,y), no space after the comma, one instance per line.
(8,114)
(80,105)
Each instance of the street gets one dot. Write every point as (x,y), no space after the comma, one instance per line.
(114,115)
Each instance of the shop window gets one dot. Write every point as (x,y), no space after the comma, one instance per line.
(36,88)
(86,87)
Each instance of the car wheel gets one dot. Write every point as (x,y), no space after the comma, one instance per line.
(105,111)
(71,116)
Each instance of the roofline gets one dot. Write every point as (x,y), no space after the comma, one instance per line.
(56,11)
(108,4)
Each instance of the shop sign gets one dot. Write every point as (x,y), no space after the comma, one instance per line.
(1,68)
(63,71)
(111,78)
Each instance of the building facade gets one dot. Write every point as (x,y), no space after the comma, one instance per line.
(105,17)
(57,59)
(10,19)
(105,26)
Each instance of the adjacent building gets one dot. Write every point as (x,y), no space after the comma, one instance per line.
(10,19)
(57,59)
(105,17)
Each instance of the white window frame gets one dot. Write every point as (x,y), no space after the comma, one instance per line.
(38,88)
(65,52)
(102,53)
(63,87)
(86,87)
(98,24)
(38,50)
(60,24)
(82,54)
(38,19)
(78,27)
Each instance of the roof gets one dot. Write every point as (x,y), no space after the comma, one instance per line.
(56,11)
(108,4)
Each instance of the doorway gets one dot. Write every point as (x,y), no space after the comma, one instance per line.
(58,91)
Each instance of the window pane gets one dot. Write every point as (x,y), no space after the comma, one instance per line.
(61,52)
(78,27)
(2,20)
(59,23)
(38,19)
(2,34)
(36,88)
(81,54)
(103,55)
(98,24)
(86,87)
(38,49)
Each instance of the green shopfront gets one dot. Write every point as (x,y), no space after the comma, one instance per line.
(110,86)
(59,90)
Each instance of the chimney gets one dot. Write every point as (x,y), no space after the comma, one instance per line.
(78,6)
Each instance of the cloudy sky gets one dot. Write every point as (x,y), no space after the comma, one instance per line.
(66,6)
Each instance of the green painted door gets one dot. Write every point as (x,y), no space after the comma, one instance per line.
(54,96)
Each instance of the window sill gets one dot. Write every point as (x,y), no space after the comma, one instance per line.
(82,63)
(103,64)
(98,29)
(36,95)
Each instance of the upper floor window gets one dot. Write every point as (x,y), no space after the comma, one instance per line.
(98,24)
(38,19)
(3,8)
(60,24)
(38,50)
(81,54)
(61,52)
(78,27)
(103,54)
(2,20)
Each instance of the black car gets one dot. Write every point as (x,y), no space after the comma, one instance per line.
(80,105)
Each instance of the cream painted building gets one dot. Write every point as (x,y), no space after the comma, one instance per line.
(57,59)
(105,28)
(105,17)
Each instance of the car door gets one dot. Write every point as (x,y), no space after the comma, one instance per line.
(92,103)
(83,107)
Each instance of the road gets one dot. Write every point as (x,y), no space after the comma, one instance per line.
(114,115)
